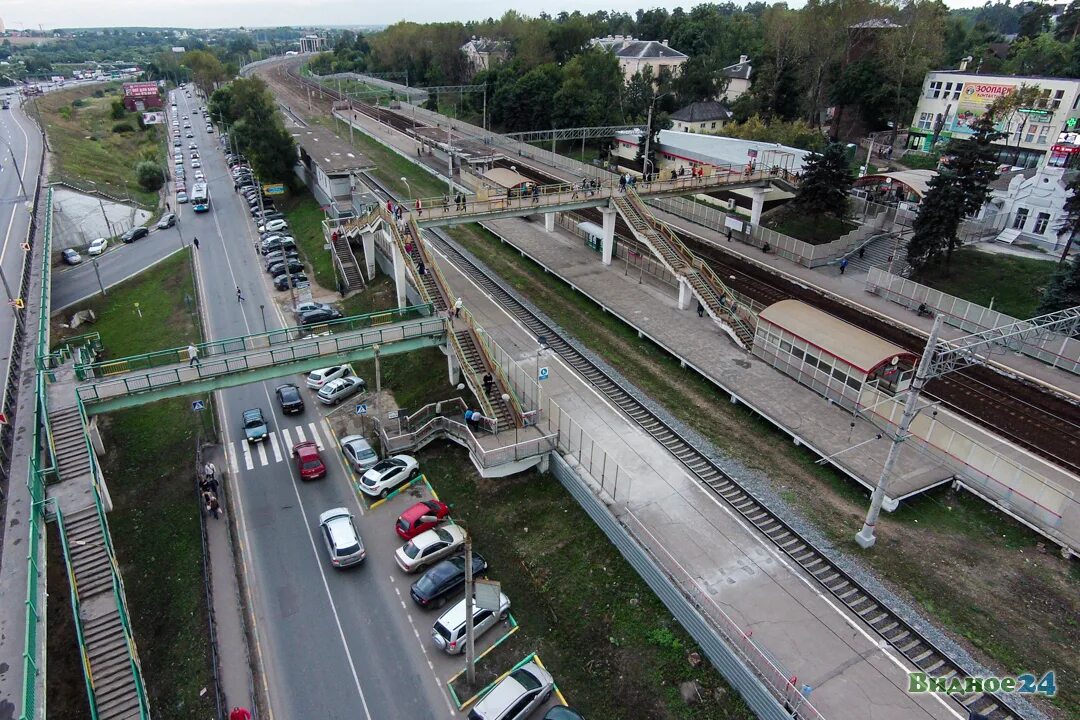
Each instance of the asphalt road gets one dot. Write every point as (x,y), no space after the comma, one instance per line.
(333,644)
(21,146)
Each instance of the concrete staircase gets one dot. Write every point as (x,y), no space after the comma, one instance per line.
(734,318)
(69,443)
(878,252)
(477,363)
(346,261)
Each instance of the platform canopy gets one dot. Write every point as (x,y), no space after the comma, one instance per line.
(856,347)
(913,181)
(505,178)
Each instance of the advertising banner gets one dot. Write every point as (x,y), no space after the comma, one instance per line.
(153,118)
(974,100)
(140,90)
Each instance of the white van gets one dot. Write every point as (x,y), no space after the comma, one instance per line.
(449,631)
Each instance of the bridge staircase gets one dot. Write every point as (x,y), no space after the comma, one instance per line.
(466,337)
(340,237)
(724,307)
(111,666)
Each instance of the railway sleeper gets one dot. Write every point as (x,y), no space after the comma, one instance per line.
(922,656)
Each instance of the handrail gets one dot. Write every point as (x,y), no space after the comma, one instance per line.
(73,588)
(500,372)
(410,267)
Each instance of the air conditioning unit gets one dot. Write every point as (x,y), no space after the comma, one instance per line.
(731,203)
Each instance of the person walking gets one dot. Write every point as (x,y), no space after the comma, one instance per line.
(843,265)
(488,382)
(622,183)
(445,204)
(421,268)
(457,308)
(193,355)
(239,295)
(239,713)
(195,242)
(536,194)
(209,470)
(862,252)
(419,207)
(700,309)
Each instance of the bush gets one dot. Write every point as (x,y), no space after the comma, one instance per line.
(122,127)
(65,112)
(99,93)
(150,176)
(118,110)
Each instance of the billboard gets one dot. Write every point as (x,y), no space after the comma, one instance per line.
(140,90)
(974,99)
(153,118)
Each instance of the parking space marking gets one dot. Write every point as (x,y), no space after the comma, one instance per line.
(316,436)
(420,641)
(247,455)
(261,447)
(274,446)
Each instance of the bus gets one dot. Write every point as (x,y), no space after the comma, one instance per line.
(200,197)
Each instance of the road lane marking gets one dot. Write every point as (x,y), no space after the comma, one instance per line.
(274,445)
(261,447)
(288,439)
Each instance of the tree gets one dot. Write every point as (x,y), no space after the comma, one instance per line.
(150,176)
(908,52)
(1063,292)
(974,164)
(1068,24)
(117,111)
(206,69)
(825,183)
(936,225)
(1035,22)
(1070,224)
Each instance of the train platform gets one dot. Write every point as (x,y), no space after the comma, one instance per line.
(701,542)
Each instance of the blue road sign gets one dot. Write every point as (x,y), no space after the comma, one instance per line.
(543,373)
(361,409)
(198,405)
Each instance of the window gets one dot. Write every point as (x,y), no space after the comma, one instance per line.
(1058,95)
(933,91)
(926,121)
(1044,99)
(956,91)
(1021,219)
(713,126)
(1029,135)
(1043,132)
(1041,221)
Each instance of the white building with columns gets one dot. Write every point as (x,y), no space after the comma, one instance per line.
(1030,205)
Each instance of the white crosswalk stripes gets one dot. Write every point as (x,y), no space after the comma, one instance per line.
(280,445)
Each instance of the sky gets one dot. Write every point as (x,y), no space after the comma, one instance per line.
(27,14)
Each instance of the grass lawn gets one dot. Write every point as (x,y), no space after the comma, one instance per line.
(814,230)
(919,161)
(1014,284)
(992,581)
(415,378)
(613,648)
(379,294)
(305,219)
(85,148)
(166,298)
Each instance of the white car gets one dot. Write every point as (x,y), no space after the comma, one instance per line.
(317,378)
(519,693)
(429,546)
(342,541)
(273,226)
(388,473)
(181,197)
(335,391)
(448,633)
(97,247)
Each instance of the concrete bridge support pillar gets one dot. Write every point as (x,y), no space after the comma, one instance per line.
(758,198)
(549,221)
(609,234)
(452,366)
(400,283)
(368,239)
(685,294)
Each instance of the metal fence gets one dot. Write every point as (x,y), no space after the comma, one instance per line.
(1057,350)
(770,694)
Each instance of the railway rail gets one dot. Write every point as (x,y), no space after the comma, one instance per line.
(875,613)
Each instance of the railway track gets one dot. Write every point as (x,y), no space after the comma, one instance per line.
(900,635)
(1038,421)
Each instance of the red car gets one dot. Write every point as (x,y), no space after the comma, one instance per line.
(308,461)
(422,516)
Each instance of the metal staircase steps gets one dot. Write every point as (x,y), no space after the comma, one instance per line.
(69,443)
(347,262)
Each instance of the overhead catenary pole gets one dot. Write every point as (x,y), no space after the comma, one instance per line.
(865,538)
(470,645)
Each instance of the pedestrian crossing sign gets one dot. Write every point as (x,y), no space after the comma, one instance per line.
(543,373)
(361,409)
(198,405)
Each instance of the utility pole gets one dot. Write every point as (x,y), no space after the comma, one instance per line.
(378,370)
(450,157)
(470,645)
(97,272)
(648,136)
(865,538)
(18,173)
(108,225)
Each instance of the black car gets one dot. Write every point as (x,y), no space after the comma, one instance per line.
(290,399)
(286,245)
(134,234)
(279,268)
(320,315)
(445,580)
(281,282)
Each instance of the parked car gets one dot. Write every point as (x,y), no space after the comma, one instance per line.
(181,197)
(343,542)
(255,429)
(562,712)
(167,221)
(278,243)
(444,580)
(282,282)
(358,453)
(335,391)
(317,378)
(420,517)
(516,696)
(71,256)
(429,546)
(289,398)
(284,266)
(448,633)
(134,234)
(97,247)
(314,317)
(309,463)
(309,305)
(280,256)
(387,474)
(273,225)
(193,145)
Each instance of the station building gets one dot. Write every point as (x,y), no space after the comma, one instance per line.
(831,357)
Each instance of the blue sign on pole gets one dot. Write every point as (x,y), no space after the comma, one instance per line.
(198,405)
(543,373)
(361,409)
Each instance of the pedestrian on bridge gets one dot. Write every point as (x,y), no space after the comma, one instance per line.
(445,203)
(488,382)
(193,355)
(419,207)
(457,308)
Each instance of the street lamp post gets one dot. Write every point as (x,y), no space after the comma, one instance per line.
(407,186)
(470,646)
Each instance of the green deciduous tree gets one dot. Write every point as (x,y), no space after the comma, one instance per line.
(1063,292)
(150,176)
(117,111)
(826,180)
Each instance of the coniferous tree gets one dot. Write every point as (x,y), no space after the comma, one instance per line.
(1063,292)
(826,180)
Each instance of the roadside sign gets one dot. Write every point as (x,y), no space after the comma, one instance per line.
(392,415)
(198,405)
(26,247)
(275,189)
(361,409)
(18,303)
(487,594)
(543,373)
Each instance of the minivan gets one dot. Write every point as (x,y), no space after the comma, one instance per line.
(449,630)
